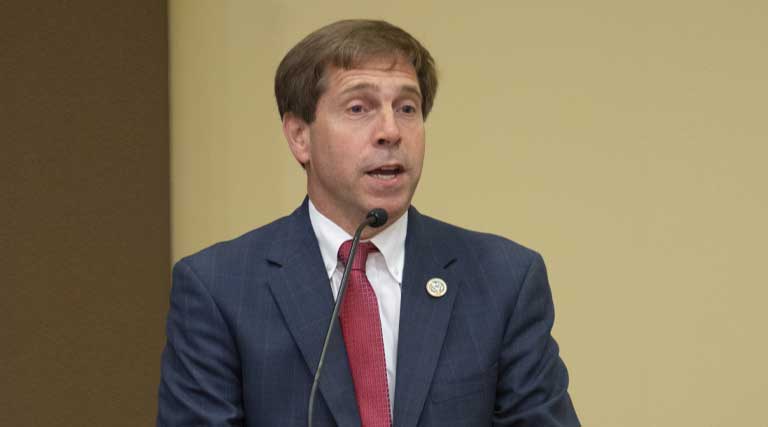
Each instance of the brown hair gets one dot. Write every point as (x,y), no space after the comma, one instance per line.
(346,44)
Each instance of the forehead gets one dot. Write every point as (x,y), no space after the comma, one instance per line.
(380,70)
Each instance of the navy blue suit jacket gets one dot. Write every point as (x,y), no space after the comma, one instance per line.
(248,317)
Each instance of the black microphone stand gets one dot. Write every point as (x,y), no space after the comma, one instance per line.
(375,218)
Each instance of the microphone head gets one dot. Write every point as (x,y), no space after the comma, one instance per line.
(377,217)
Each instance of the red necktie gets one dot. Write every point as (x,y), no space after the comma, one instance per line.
(361,327)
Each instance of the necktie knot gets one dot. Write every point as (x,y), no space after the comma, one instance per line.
(363,249)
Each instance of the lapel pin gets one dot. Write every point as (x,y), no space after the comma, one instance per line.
(436,287)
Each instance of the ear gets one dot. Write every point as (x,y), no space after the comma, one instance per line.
(296,132)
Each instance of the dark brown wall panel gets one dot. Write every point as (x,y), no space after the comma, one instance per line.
(84,240)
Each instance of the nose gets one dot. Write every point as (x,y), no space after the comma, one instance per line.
(388,132)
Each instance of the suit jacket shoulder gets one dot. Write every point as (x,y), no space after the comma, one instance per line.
(234,256)
(498,261)
(481,244)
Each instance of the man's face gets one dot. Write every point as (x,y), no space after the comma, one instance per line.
(365,148)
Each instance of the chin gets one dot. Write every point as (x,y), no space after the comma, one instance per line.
(395,205)
(394,210)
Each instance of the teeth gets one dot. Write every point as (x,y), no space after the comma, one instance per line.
(383,176)
(386,173)
(387,170)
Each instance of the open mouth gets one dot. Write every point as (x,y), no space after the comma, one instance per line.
(386,172)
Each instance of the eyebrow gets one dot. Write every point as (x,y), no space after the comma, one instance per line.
(363,86)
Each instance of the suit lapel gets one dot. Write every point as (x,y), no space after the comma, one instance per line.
(301,289)
(423,319)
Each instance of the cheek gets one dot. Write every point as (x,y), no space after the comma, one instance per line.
(336,161)
(419,148)
(342,146)
(322,148)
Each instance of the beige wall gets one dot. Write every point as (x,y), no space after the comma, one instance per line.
(626,141)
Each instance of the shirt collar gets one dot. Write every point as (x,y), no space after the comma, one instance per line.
(390,242)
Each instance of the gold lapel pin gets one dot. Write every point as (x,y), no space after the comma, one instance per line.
(436,287)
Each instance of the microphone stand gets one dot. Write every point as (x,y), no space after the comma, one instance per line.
(375,218)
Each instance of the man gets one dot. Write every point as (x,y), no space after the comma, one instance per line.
(440,326)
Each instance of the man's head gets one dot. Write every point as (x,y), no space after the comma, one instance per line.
(353,97)
(299,81)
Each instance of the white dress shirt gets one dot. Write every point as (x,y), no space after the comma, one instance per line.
(384,270)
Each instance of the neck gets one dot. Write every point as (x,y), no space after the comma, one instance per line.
(349,223)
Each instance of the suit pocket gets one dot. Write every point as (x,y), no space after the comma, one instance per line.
(452,390)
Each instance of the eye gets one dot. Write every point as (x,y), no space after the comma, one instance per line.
(356,109)
(408,109)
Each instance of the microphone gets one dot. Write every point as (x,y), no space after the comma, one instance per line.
(375,219)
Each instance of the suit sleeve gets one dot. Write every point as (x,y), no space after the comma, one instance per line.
(200,373)
(532,386)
